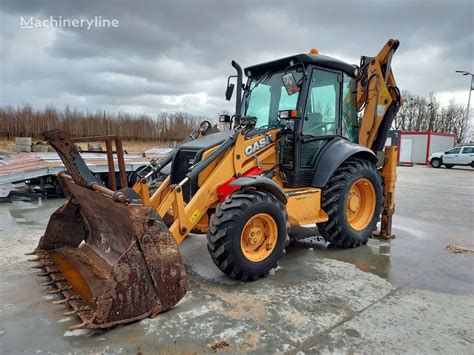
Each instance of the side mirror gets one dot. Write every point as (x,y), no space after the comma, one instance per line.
(224,118)
(229,91)
(290,84)
(288,115)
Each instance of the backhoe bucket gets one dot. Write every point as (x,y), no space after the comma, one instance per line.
(113,259)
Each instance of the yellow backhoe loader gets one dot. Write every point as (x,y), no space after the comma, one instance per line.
(306,146)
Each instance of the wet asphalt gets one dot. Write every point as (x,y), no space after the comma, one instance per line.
(404,295)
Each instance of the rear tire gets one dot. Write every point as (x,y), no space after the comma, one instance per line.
(356,179)
(448,166)
(435,163)
(227,227)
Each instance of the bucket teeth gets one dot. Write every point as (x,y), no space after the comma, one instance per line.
(41,256)
(47,273)
(37,253)
(67,299)
(80,326)
(59,290)
(58,279)
(43,264)
(37,267)
(63,301)
(76,311)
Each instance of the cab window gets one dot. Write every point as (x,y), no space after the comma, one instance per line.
(322,108)
(322,114)
(349,109)
(267,96)
(468,150)
(454,151)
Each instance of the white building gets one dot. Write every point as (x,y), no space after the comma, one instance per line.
(416,147)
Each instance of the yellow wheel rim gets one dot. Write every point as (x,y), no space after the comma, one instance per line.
(360,204)
(259,236)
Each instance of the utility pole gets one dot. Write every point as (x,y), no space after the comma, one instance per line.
(469,130)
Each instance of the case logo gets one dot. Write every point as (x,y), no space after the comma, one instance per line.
(258,145)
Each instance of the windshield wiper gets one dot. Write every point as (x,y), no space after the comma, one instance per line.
(265,76)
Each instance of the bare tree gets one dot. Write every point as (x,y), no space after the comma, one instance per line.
(424,113)
(25,121)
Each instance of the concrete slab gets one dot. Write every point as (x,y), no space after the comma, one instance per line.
(406,295)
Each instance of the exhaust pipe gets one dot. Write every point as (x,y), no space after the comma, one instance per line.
(238,99)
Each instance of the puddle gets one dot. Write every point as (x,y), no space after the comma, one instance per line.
(416,257)
(24,214)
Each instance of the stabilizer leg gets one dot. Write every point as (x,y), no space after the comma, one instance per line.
(389,175)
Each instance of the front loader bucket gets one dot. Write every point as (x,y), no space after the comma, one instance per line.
(113,262)
(113,259)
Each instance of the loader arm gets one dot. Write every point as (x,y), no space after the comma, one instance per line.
(219,165)
(379,98)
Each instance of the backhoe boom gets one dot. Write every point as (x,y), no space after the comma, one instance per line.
(379,97)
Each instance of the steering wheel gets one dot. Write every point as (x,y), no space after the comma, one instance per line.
(314,130)
(204,127)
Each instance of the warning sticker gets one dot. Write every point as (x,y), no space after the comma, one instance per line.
(195,216)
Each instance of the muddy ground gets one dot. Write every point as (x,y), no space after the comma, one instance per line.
(404,295)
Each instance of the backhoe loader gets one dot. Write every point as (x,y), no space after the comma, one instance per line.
(306,147)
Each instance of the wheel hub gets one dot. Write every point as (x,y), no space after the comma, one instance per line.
(258,237)
(360,204)
(354,202)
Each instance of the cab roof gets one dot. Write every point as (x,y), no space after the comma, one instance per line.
(315,59)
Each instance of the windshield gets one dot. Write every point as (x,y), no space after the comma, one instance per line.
(267,95)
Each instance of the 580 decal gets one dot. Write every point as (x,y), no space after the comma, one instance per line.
(258,145)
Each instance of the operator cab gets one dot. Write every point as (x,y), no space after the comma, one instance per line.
(312,99)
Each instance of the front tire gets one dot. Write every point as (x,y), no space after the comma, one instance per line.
(435,163)
(353,200)
(247,234)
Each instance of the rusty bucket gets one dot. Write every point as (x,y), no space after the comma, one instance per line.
(113,262)
(112,259)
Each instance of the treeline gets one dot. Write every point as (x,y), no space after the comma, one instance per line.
(418,113)
(24,121)
(424,113)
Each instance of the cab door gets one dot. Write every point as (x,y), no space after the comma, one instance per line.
(322,115)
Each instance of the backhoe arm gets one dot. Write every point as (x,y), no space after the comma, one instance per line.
(379,98)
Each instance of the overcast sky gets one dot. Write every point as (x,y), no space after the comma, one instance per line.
(175,55)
